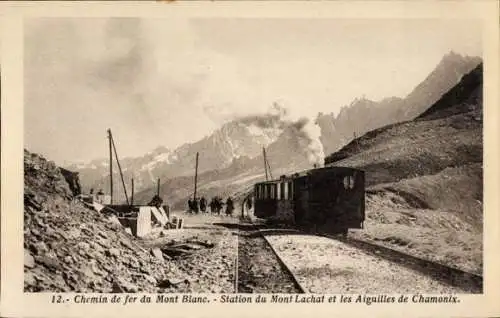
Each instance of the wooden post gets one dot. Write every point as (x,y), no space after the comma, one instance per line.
(158,188)
(110,166)
(196,176)
(269,169)
(132,195)
(119,167)
(265,161)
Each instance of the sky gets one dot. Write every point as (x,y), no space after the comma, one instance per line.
(159,82)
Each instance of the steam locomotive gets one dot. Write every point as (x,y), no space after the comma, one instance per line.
(329,199)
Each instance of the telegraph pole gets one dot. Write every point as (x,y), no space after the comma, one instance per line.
(269,169)
(265,162)
(132,195)
(196,176)
(110,166)
(119,167)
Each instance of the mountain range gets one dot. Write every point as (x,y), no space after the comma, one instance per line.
(364,115)
(236,148)
(234,140)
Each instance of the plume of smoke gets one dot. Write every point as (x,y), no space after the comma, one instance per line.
(305,131)
(277,117)
(307,134)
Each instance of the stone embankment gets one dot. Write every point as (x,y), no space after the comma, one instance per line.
(70,248)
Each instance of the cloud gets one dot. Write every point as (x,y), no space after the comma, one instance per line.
(167,82)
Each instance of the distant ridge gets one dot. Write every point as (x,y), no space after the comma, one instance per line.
(364,115)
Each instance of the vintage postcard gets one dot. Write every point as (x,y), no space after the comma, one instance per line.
(249,159)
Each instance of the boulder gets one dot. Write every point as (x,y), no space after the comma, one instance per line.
(122,286)
(156,252)
(29,261)
(113,252)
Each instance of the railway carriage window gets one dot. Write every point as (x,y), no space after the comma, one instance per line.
(272,191)
(349,182)
(278,191)
(346,182)
(290,189)
(286,190)
(282,192)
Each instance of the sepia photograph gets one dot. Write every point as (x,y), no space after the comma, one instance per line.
(253,155)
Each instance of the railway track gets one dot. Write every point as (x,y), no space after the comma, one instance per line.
(259,268)
(469,282)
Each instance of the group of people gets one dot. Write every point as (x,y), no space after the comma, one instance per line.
(216,205)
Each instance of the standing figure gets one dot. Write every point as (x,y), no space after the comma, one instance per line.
(219,205)
(195,206)
(229,206)
(212,206)
(203,205)
(249,202)
(190,206)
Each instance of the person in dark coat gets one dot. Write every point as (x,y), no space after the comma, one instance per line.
(203,205)
(249,202)
(212,206)
(190,206)
(195,206)
(229,206)
(219,205)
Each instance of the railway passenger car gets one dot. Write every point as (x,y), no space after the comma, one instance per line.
(329,199)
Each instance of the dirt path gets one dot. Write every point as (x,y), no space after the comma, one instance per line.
(209,266)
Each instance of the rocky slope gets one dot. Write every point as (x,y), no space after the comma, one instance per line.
(68,247)
(424,178)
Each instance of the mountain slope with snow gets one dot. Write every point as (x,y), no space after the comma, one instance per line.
(233,140)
